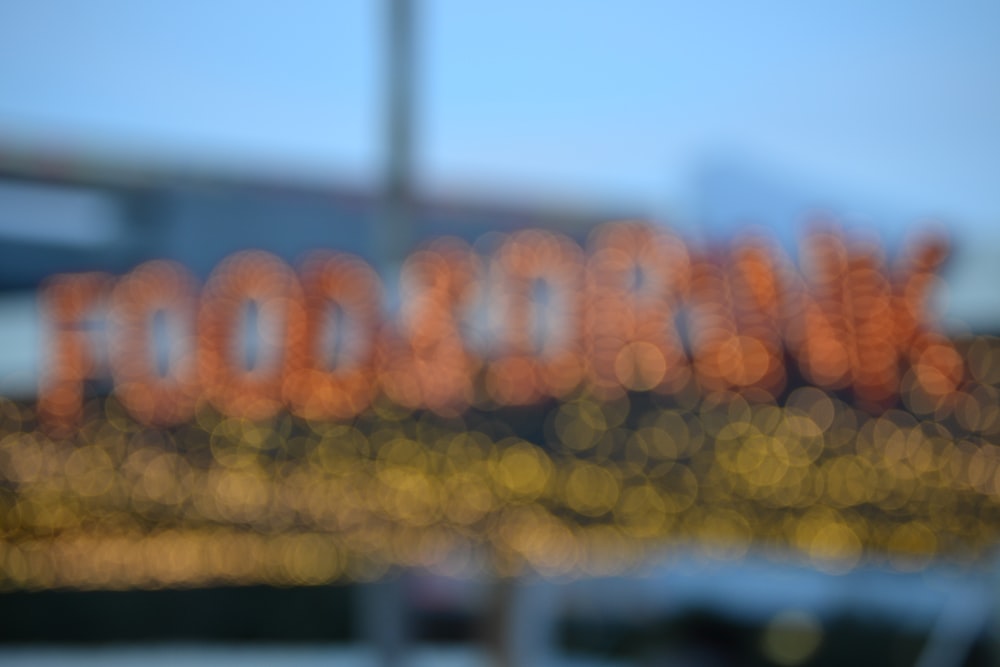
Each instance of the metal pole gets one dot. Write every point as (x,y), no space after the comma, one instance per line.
(396,228)
(384,606)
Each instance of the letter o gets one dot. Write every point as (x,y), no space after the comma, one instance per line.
(153,398)
(261,278)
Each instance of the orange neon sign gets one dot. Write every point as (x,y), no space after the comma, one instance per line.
(846,320)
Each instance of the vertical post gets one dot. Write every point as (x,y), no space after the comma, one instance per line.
(395,229)
(383,613)
(384,619)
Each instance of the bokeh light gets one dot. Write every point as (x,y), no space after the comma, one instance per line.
(347,444)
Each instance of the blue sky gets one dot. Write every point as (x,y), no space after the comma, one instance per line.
(606,102)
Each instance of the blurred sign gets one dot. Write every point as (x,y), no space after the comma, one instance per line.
(542,407)
(549,319)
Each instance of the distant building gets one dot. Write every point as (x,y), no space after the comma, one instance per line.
(62,214)
(78,214)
